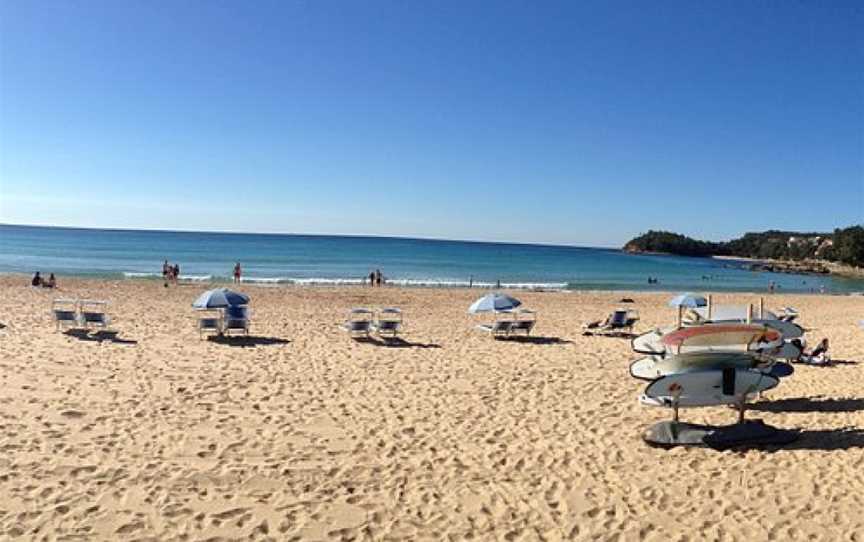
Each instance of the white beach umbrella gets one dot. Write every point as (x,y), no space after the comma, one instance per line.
(691,301)
(494,302)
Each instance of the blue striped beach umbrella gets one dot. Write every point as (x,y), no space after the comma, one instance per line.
(494,302)
(220,298)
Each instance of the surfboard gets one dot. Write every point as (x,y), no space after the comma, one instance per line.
(722,337)
(654,367)
(649,342)
(732,314)
(706,388)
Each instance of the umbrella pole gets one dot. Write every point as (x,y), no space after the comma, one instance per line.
(680,315)
(710,305)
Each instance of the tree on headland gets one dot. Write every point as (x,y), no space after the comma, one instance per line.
(848,246)
(845,245)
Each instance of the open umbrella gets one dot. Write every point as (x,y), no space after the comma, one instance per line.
(691,301)
(220,298)
(494,302)
(688,300)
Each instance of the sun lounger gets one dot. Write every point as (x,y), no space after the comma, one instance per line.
(817,356)
(209,324)
(359,322)
(617,322)
(525,321)
(236,318)
(93,314)
(500,328)
(65,313)
(789,314)
(389,323)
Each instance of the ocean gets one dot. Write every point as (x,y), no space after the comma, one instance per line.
(332,260)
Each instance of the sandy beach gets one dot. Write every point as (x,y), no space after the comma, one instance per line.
(300,433)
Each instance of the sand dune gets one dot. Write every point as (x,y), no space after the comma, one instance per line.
(301,433)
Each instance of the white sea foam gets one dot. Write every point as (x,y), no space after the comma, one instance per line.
(324,282)
(196,278)
(265,280)
(188,278)
(321,281)
(134,275)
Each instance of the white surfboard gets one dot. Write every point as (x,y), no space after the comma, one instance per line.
(654,367)
(726,314)
(706,388)
(649,342)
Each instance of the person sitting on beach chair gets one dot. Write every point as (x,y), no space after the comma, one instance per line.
(619,321)
(817,356)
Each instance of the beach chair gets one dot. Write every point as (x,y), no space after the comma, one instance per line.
(389,323)
(359,322)
(788,314)
(499,328)
(817,356)
(236,318)
(93,314)
(525,321)
(620,321)
(209,323)
(65,313)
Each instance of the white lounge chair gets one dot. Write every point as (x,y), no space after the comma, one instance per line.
(359,322)
(209,323)
(817,356)
(499,328)
(236,318)
(525,321)
(619,321)
(389,322)
(93,314)
(66,313)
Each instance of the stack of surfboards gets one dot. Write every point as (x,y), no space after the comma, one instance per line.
(713,363)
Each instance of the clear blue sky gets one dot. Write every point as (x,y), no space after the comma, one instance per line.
(573,122)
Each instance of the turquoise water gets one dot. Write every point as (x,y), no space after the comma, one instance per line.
(311,259)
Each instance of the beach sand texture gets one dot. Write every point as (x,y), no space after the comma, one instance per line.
(305,434)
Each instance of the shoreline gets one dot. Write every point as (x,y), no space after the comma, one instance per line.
(356,287)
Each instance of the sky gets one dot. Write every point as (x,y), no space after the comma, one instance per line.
(581,123)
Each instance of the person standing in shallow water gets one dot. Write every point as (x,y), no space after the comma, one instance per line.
(372,278)
(378,277)
(237,272)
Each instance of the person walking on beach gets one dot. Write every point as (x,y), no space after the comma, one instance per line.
(176,273)
(378,277)
(237,273)
(372,279)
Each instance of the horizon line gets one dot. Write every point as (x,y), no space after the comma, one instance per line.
(359,236)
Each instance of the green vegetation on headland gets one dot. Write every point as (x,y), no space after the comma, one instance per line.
(801,252)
